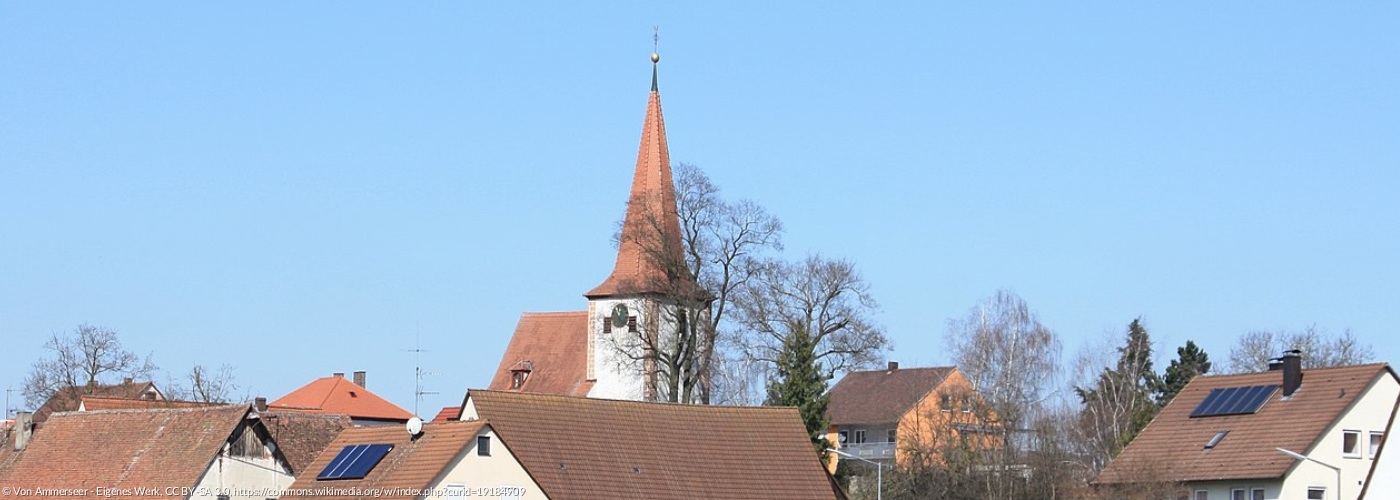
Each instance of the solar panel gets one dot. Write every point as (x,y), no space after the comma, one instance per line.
(1234,401)
(355,461)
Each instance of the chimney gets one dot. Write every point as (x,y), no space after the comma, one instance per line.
(260,404)
(24,429)
(338,374)
(1276,364)
(127,381)
(1292,362)
(894,365)
(360,378)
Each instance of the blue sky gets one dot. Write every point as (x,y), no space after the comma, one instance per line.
(302,188)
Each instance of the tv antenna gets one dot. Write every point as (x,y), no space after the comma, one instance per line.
(8,391)
(418,373)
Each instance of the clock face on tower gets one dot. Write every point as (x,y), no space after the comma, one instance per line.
(619,315)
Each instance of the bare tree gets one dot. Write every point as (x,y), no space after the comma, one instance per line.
(1320,349)
(81,360)
(204,385)
(1116,401)
(1011,359)
(719,250)
(826,300)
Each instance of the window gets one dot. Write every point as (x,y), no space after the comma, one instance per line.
(455,492)
(1317,493)
(889,436)
(1351,444)
(607,325)
(945,403)
(517,378)
(1201,495)
(1237,494)
(1216,440)
(1256,494)
(632,324)
(843,436)
(1376,439)
(966,404)
(860,436)
(483,446)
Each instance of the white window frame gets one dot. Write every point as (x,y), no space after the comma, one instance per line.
(1201,495)
(1376,448)
(1311,489)
(1356,453)
(1260,491)
(859,436)
(1239,494)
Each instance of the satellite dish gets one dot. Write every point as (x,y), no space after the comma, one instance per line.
(415,426)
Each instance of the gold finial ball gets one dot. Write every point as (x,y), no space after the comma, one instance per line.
(655,57)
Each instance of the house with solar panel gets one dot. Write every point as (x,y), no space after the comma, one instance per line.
(533,446)
(1283,434)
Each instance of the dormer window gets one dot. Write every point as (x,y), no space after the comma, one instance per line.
(517,378)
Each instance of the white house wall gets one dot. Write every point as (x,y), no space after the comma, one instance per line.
(1369,413)
(241,478)
(488,476)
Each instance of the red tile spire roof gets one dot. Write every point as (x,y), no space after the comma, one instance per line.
(641,258)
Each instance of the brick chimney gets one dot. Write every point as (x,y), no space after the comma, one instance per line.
(1292,362)
(360,378)
(338,374)
(894,365)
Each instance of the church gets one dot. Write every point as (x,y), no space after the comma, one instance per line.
(623,346)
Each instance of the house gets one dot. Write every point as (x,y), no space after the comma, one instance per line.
(1272,435)
(543,446)
(215,452)
(600,352)
(1384,479)
(884,415)
(70,398)
(335,395)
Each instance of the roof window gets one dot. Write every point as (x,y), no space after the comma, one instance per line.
(1216,440)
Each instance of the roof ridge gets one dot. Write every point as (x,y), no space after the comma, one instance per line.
(593,400)
(150,410)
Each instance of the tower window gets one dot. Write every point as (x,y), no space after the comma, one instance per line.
(632,324)
(607,325)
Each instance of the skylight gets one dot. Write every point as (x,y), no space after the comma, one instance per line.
(1216,440)
(355,461)
(1234,401)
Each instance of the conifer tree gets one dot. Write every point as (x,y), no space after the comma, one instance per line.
(800,381)
(1191,362)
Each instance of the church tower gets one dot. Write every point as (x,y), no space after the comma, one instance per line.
(635,311)
(626,343)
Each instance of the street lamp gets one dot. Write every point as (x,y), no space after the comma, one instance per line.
(879,472)
(1301,457)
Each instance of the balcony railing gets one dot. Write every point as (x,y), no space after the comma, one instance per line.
(871,451)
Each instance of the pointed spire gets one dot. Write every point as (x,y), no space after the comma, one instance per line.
(651,235)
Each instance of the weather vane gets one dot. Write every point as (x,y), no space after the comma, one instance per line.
(655,40)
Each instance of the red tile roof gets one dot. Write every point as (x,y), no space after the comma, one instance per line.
(882,396)
(651,202)
(69,398)
(555,346)
(96,403)
(585,448)
(301,437)
(1172,447)
(411,465)
(336,395)
(123,449)
(448,414)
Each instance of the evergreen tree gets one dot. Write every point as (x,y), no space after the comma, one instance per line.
(1119,404)
(800,381)
(1191,362)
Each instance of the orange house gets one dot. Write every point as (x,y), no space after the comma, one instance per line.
(894,415)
